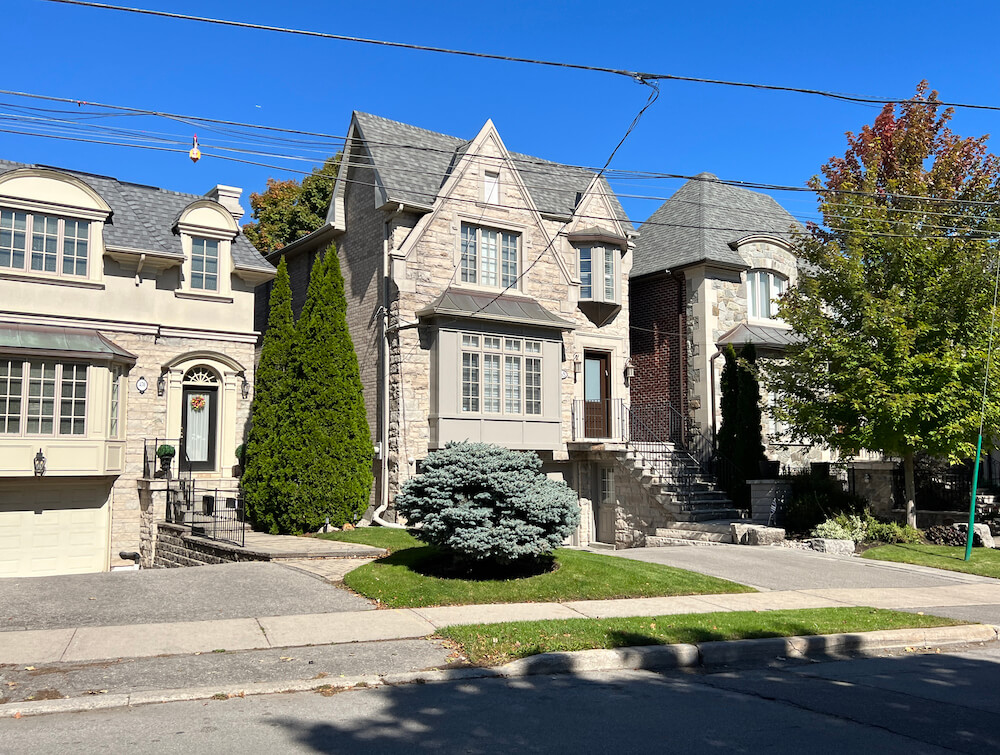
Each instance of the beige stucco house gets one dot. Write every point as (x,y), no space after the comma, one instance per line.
(488,301)
(126,320)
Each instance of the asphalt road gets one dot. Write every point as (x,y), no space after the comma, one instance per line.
(912,704)
(150,596)
(773,568)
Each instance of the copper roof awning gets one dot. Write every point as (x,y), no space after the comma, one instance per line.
(48,341)
(763,336)
(483,305)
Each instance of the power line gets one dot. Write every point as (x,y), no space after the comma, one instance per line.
(640,76)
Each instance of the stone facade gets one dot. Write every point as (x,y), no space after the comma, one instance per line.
(177,547)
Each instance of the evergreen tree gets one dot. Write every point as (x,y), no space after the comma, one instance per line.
(739,439)
(327,438)
(266,478)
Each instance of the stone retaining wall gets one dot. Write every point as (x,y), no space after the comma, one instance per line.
(176,546)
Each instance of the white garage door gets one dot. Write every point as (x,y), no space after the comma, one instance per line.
(49,528)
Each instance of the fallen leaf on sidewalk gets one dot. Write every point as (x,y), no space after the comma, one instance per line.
(17,715)
(29,668)
(286,658)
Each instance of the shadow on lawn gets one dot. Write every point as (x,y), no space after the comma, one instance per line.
(429,561)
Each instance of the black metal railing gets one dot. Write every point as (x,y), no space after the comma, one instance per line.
(211,513)
(169,466)
(602,419)
(660,456)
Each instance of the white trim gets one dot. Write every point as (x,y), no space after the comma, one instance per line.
(47,279)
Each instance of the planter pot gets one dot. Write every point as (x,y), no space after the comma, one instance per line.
(769,470)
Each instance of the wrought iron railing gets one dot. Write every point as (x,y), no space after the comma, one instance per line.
(669,463)
(211,513)
(168,466)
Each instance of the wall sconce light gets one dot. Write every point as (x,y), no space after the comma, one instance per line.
(39,463)
(161,385)
(577,366)
(245,387)
(629,372)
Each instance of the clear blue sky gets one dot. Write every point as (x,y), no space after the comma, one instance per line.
(880,49)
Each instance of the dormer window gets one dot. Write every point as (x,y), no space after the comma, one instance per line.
(489,257)
(205,264)
(763,289)
(59,246)
(598,271)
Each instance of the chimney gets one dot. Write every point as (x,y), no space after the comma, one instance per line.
(228,197)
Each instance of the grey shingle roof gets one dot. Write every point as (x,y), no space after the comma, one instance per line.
(486,306)
(701,220)
(143,216)
(414,163)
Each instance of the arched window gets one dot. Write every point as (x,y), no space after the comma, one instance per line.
(200,375)
(763,289)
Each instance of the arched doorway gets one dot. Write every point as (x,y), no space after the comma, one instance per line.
(200,405)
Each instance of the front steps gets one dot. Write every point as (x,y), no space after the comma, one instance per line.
(692,533)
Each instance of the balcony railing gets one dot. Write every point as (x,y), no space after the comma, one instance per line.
(617,419)
(161,467)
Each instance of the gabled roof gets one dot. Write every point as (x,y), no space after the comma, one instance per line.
(413,164)
(702,221)
(480,305)
(143,217)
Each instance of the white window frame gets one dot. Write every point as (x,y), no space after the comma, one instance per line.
(504,390)
(761,283)
(60,236)
(486,257)
(205,243)
(601,283)
(115,403)
(61,381)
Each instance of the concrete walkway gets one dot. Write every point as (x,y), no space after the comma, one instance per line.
(146,640)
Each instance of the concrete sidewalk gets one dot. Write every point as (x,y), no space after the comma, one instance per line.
(265,632)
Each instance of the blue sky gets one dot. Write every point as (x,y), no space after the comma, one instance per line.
(575,117)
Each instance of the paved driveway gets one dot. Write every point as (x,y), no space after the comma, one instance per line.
(773,568)
(226,591)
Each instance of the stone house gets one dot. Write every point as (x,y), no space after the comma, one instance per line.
(709,266)
(126,321)
(488,301)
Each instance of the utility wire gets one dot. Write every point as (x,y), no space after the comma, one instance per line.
(642,76)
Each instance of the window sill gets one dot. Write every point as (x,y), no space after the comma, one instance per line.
(219,298)
(51,281)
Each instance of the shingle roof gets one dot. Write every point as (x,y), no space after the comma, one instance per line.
(701,220)
(486,306)
(143,216)
(413,164)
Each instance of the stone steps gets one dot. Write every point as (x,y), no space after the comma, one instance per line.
(655,541)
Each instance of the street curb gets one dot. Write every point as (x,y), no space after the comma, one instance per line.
(647,657)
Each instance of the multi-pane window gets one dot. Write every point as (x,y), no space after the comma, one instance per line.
(205,264)
(763,290)
(39,398)
(114,403)
(607,485)
(45,243)
(510,380)
(598,267)
(489,257)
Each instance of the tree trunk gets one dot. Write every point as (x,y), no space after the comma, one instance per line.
(910,489)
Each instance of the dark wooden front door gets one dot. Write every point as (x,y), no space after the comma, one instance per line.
(597,394)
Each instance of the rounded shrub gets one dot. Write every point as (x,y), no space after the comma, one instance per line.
(483,503)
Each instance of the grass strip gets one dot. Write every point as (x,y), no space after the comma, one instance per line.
(984,562)
(494,644)
(412,577)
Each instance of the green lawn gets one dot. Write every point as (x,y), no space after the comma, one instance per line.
(492,644)
(984,561)
(409,577)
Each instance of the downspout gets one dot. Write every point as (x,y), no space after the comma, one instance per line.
(384,391)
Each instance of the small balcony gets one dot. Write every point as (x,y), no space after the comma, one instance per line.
(617,420)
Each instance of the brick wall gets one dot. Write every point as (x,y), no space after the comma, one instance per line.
(659,351)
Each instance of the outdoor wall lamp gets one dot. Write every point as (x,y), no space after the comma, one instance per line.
(577,366)
(629,372)
(39,463)
(245,387)
(161,385)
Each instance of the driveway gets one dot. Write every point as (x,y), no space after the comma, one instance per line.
(148,596)
(774,568)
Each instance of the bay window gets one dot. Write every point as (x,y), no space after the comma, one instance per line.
(489,257)
(506,373)
(42,398)
(598,271)
(45,243)
(763,290)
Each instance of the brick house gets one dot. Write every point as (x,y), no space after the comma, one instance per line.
(126,316)
(709,265)
(488,300)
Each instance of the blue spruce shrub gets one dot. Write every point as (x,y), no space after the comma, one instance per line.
(484,503)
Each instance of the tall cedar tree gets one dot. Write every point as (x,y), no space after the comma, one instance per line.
(327,437)
(894,298)
(739,439)
(288,210)
(267,480)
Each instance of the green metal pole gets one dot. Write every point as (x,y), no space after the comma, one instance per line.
(972,503)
